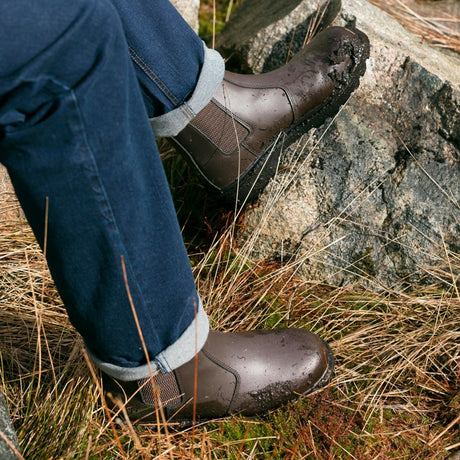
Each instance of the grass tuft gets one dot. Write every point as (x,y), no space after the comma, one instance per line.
(434,21)
(395,394)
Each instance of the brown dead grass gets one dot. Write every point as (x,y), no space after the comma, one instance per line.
(395,393)
(397,384)
(435,21)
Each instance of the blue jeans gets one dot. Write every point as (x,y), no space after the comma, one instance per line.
(76,139)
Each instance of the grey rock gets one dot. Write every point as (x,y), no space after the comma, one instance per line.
(373,195)
(6,428)
(454,456)
(266,32)
(189,10)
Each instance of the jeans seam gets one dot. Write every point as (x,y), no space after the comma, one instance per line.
(159,83)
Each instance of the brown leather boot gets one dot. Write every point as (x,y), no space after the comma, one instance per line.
(234,142)
(244,372)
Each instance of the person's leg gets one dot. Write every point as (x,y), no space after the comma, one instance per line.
(177,78)
(74,131)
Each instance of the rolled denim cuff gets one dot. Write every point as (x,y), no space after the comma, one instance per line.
(181,351)
(211,76)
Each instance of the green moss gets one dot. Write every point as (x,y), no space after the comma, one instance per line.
(240,437)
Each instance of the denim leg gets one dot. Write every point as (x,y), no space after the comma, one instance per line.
(177,78)
(168,73)
(74,132)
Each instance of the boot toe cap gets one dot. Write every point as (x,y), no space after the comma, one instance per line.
(273,367)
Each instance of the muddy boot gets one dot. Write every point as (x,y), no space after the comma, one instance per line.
(244,373)
(235,142)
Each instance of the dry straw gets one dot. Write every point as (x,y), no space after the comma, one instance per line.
(436,21)
(396,392)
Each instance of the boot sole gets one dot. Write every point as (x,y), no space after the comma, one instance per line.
(248,186)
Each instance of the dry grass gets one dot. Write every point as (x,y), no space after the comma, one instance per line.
(436,21)
(396,393)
